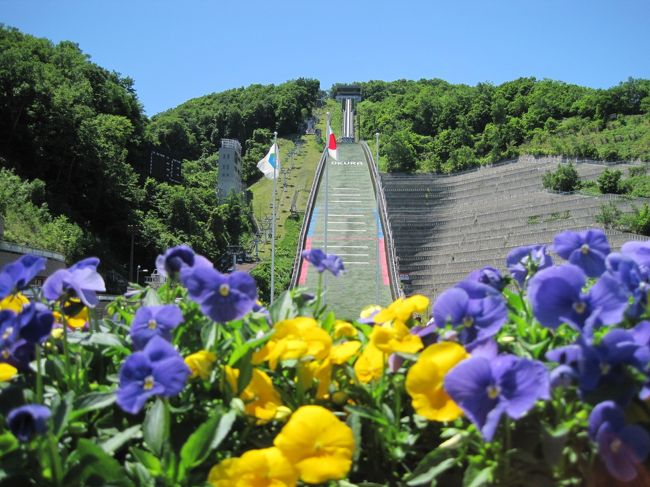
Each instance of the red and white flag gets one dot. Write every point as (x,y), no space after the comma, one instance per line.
(331,144)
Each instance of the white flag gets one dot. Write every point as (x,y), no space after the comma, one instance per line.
(270,164)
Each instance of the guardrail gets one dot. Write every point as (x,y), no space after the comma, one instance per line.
(395,287)
(24,249)
(307,218)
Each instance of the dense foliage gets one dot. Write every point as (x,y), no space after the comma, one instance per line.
(80,130)
(565,178)
(432,125)
(538,376)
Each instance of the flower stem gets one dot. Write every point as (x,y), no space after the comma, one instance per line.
(55,460)
(39,376)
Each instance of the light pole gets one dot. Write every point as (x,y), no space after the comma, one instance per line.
(377,150)
(140,269)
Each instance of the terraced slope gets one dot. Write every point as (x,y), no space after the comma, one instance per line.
(446,226)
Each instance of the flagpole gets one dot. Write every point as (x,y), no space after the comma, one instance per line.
(327,155)
(275,184)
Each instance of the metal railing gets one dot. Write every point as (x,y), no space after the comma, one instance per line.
(295,273)
(23,249)
(395,288)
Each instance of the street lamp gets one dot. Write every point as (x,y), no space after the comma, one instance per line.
(137,278)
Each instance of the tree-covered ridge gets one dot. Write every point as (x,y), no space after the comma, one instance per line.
(432,125)
(78,132)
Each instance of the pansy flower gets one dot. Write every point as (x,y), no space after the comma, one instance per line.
(425,379)
(633,278)
(489,276)
(263,467)
(475,311)
(200,363)
(35,322)
(317,444)
(556,297)
(261,399)
(27,422)
(80,280)
(587,249)
(487,389)
(621,447)
(222,297)
(16,275)
(174,259)
(322,261)
(14,350)
(157,370)
(522,259)
(151,321)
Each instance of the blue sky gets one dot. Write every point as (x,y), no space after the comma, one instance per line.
(177,50)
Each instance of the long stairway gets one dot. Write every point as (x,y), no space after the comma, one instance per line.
(344,220)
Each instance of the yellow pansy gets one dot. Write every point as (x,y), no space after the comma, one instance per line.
(295,338)
(425,381)
(14,302)
(401,309)
(370,364)
(200,363)
(344,329)
(322,370)
(258,468)
(77,320)
(7,372)
(394,337)
(261,400)
(317,444)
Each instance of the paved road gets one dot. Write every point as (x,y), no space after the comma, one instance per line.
(353,232)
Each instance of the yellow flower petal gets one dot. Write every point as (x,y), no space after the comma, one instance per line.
(344,329)
(343,352)
(317,444)
(14,302)
(401,309)
(395,337)
(261,400)
(265,467)
(370,364)
(200,363)
(7,372)
(425,381)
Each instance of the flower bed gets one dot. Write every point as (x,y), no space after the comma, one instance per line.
(536,377)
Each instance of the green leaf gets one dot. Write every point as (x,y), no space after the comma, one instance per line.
(283,308)
(245,367)
(151,298)
(428,476)
(91,402)
(61,412)
(477,478)
(90,461)
(149,461)
(156,426)
(225,425)
(8,443)
(199,444)
(116,442)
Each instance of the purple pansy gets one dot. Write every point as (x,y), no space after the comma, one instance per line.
(621,446)
(488,275)
(222,297)
(634,278)
(485,389)
(35,323)
(174,259)
(475,310)
(14,350)
(157,370)
(26,422)
(639,251)
(521,259)
(322,261)
(81,279)
(603,364)
(556,297)
(151,321)
(587,249)
(16,275)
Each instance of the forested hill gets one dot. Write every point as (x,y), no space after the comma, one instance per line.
(81,130)
(432,125)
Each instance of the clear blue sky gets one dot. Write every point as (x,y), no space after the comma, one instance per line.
(177,50)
